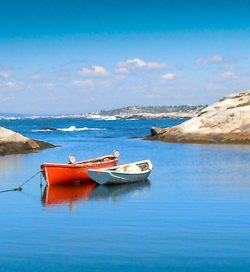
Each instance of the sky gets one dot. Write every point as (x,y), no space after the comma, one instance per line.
(78,56)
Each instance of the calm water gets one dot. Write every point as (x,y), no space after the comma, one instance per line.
(193,215)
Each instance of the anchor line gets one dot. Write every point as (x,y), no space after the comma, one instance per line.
(19,187)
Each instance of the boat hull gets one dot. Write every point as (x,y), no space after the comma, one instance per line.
(112,176)
(76,172)
(116,178)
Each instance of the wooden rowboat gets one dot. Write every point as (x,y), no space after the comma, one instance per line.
(58,173)
(126,173)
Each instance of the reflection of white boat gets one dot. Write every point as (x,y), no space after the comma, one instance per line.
(125,173)
(117,192)
(73,193)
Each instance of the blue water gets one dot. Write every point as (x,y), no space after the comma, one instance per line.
(193,214)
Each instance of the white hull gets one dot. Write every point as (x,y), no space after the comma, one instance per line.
(113,176)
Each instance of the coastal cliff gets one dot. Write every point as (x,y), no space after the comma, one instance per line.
(226,121)
(14,143)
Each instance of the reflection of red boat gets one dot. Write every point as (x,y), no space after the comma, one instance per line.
(58,173)
(73,193)
(53,195)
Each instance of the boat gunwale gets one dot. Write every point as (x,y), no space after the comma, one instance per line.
(81,164)
(113,169)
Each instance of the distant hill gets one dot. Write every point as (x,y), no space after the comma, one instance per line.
(125,112)
(153,109)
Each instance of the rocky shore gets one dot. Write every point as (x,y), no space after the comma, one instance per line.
(14,143)
(227,121)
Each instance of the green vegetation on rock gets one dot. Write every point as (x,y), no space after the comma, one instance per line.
(153,109)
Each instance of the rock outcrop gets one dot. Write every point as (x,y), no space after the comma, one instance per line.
(227,121)
(14,143)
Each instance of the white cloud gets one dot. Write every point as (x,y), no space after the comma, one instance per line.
(228,74)
(8,85)
(93,71)
(132,64)
(120,77)
(136,63)
(107,83)
(48,85)
(35,77)
(212,60)
(168,76)
(227,79)
(122,70)
(82,83)
(5,73)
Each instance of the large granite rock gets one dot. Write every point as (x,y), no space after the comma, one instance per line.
(14,143)
(227,121)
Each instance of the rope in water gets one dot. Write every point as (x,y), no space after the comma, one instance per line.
(19,188)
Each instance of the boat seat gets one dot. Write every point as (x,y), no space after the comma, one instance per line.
(129,169)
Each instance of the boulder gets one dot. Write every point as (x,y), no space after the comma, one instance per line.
(226,121)
(12,142)
(156,131)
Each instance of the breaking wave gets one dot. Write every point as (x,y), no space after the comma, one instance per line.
(69,129)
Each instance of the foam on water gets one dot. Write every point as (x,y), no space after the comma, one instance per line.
(68,129)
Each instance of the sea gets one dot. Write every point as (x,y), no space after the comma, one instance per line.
(193,214)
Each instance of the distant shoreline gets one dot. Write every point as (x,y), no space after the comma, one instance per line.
(130,112)
(139,116)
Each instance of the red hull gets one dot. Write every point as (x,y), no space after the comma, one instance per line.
(55,173)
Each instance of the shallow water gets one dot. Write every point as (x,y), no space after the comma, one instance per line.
(193,214)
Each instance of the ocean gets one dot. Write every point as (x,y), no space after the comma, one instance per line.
(192,214)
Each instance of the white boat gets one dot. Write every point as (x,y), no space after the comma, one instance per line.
(126,173)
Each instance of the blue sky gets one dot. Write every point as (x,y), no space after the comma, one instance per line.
(83,56)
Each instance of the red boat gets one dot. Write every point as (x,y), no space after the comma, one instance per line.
(59,173)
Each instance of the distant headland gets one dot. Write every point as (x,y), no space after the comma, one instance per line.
(130,112)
